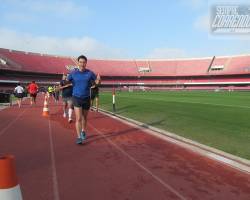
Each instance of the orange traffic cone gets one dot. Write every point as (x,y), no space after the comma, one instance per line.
(46,107)
(9,187)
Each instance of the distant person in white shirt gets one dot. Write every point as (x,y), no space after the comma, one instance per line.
(19,93)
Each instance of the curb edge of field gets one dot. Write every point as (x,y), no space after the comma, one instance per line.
(210,152)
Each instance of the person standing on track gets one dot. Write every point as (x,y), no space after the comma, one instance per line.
(19,93)
(95,96)
(82,80)
(67,90)
(56,93)
(33,90)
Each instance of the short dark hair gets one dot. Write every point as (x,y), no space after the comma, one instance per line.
(82,57)
(18,84)
(33,81)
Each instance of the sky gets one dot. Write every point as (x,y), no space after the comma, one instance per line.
(118,29)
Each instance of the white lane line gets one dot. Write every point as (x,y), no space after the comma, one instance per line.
(53,165)
(11,123)
(170,188)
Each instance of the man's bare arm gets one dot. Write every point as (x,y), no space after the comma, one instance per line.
(98,79)
(65,86)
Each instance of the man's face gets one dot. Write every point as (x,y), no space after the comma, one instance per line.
(82,63)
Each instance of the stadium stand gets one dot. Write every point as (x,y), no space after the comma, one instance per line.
(201,73)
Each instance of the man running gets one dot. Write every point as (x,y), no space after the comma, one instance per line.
(33,90)
(19,93)
(82,80)
(67,90)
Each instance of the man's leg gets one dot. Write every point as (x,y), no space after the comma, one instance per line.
(57,97)
(64,108)
(97,103)
(92,104)
(70,107)
(84,120)
(31,100)
(19,102)
(78,113)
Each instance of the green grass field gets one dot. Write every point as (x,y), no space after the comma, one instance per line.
(216,119)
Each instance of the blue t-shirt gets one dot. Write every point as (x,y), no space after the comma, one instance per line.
(82,82)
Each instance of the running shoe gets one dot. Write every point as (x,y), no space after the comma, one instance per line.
(79,141)
(83,135)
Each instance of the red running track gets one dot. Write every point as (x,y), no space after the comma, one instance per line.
(116,162)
